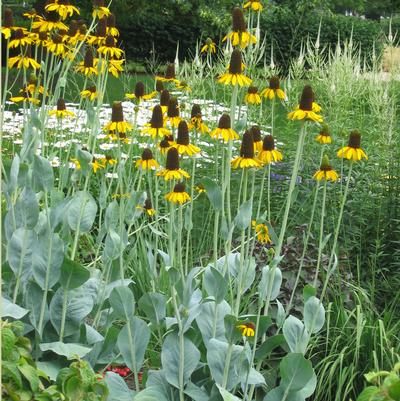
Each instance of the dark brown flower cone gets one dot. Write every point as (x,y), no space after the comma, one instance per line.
(117,114)
(354,139)
(61,104)
(247,148)
(157,120)
(88,61)
(173,107)
(73,28)
(183,133)
(164,143)
(8,20)
(196,111)
(147,154)
(33,79)
(98,3)
(274,83)
(268,143)
(159,86)
(307,98)
(92,89)
(111,21)
(139,89)
(64,2)
(18,34)
(172,162)
(224,121)
(82,28)
(110,41)
(235,66)
(238,22)
(52,16)
(252,89)
(255,130)
(57,38)
(43,36)
(147,204)
(164,98)
(101,28)
(180,187)
(170,72)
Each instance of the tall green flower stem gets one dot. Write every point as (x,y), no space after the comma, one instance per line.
(189,228)
(179,242)
(227,178)
(321,234)
(339,220)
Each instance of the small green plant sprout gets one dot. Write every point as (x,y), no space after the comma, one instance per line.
(385,386)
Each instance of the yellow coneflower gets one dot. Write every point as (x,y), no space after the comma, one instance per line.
(268,153)
(50,23)
(173,117)
(109,160)
(19,39)
(172,170)
(235,75)
(72,36)
(324,135)
(90,93)
(63,8)
(24,60)
(32,86)
(39,38)
(182,143)
(147,207)
(224,129)
(164,99)
(178,195)
(209,47)
(139,93)
(61,110)
(258,142)
(246,158)
(115,67)
(100,34)
(274,89)
(156,125)
(239,35)
(196,120)
(326,171)
(117,123)
(56,46)
(247,329)
(305,108)
(111,28)
(200,188)
(353,149)
(169,75)
(8,24)
(255,5)
(32,14)
(262,232)
(89,65)
(147,162)
(24,97)
(100,10)
(97,164)
(109,49)
(164,146)
(252,96)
